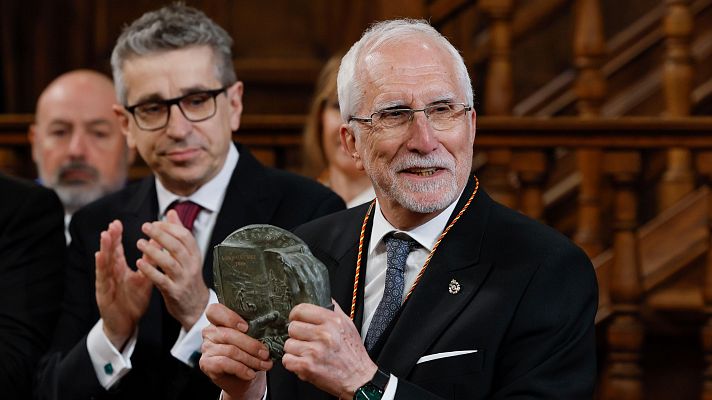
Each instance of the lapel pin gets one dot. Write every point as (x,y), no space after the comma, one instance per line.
(454,287)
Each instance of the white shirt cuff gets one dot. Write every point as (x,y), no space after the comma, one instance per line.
(187,346)
(222,395)
(109,365)
(391,387)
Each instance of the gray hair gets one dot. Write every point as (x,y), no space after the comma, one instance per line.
(349,85)
(172,27)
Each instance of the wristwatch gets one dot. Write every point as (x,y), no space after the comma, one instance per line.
(373,389)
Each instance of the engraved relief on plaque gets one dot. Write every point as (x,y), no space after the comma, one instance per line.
(261,272)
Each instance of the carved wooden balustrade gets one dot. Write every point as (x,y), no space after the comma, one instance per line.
(625,278)
(622,144)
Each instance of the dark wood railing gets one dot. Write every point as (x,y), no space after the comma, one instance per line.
(624,275)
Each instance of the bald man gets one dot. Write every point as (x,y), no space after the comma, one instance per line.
(76,141)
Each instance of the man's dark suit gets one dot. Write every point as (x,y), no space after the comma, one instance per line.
(254,195)
(32,255)
(526,303)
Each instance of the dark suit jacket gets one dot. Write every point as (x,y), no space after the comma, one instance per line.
(32,255)
(527,303)
(255,194)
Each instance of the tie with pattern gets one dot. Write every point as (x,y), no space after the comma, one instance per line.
(397,251)
(187,212)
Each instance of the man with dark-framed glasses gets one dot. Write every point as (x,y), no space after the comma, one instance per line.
(140,264)
(440,292)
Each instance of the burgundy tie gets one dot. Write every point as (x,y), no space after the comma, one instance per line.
(187,212)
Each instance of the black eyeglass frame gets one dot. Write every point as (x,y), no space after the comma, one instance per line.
(410,111)
(176,100)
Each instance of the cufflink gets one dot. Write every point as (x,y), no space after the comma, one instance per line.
(195,357)
(109,369)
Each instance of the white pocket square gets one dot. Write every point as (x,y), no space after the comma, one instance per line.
(437,356)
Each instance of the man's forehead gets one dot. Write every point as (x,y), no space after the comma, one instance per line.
(170,73)
(83,108)
(408,73)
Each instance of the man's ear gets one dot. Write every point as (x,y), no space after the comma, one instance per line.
(234,97)
(474,123)
(348,143)
(31,136)
(123,117)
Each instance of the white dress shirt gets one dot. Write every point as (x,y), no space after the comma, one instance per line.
(426,235)
(363,197)
(111,365)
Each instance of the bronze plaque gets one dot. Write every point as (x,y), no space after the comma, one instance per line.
(261,272)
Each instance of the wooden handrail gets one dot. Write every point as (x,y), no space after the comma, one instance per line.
(514,132)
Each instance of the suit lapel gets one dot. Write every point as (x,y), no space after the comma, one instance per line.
(342,278)
(247,201)
(142,207)
(431,308)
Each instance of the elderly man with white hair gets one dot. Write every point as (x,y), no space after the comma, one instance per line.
(439,292)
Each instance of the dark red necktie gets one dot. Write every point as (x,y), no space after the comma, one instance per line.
(187,212)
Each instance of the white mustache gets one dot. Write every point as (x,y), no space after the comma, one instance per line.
(410,160)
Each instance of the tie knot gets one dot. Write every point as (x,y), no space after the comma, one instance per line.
(187,212)
(397,249)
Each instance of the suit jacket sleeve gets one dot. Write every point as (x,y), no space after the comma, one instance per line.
(32,256)
(66,371)
(549,349)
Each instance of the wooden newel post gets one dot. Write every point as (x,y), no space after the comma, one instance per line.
(498,96)
(678,179)
(704,166)
(623,375)
(589,49)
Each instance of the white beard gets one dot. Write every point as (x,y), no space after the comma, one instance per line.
(410,195)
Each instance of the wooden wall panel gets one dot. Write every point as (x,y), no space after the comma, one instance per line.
(280,45)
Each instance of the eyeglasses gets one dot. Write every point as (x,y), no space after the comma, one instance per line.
(442,116)
(154,114)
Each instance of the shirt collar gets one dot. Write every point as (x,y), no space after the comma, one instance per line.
(210,195)
(426,234)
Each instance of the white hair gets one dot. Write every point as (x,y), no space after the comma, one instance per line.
(350,86)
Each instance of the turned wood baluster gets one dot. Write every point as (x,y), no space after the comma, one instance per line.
(589,50)
(498,96)
(704,166)
(678,179)
(530,166)
(622,377)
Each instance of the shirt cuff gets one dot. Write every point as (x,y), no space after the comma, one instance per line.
(109,364)
(222,395)
(187,346)
(391,387)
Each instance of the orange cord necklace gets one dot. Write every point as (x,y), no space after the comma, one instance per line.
(357,275)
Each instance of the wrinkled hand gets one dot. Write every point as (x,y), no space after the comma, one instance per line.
(174,249)
(234,361)
(325,349)
(121,293)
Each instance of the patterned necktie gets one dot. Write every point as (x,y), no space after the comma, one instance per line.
(397,251)
(187,212)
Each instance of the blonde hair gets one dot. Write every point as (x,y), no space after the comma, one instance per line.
(313,157)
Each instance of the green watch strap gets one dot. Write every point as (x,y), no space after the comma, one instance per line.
(368,391)
(373,390)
